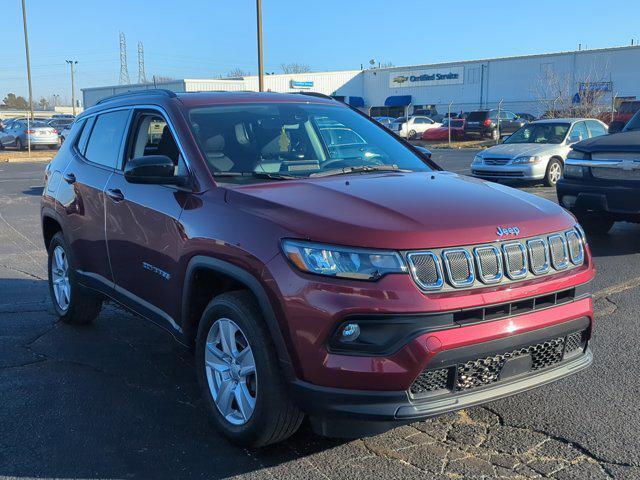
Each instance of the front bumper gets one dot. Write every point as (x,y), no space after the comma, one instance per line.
(350,413)
(518,172)
(620,199)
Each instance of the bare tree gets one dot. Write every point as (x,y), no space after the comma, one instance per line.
(564,95)
(237,73)
(294,67)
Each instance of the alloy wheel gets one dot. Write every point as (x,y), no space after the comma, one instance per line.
(60,278)
(555,172)
(231,371)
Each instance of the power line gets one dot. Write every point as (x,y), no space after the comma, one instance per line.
(142,77)
(124,69)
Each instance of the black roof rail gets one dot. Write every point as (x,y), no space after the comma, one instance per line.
(316,94)
(147,91)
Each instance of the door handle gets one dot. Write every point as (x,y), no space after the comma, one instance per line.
(69,178)
(115,194)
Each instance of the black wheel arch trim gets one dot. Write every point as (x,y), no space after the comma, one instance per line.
(254,285)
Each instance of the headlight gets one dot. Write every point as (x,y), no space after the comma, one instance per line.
(477,160)
(578,155)
(527,159)
(574,171)
(344,262)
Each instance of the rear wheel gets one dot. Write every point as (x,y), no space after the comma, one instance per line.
(73,305)
(554,172)
(495,134)
(238,373)
(595,223)
(412,134)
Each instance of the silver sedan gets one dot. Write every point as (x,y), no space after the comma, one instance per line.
(21,133)
(536,151)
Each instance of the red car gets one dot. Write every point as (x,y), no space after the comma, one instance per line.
(318,264)
(442,133)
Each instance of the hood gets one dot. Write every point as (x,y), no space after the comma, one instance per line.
(511,150)
(398,210)
(616,142)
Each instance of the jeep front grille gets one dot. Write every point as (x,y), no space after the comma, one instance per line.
(496,263)
(486,371)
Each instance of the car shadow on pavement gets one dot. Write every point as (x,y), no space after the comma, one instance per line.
(621,240)
(35,191)
(114,399)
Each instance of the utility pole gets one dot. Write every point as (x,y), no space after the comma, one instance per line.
(260,65)
(26,48)
(73,85)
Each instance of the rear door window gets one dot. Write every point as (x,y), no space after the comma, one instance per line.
(106,136)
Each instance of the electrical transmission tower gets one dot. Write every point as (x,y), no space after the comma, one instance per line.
(124,70)
(142,77)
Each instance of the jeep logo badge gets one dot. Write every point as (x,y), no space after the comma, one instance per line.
(502,231)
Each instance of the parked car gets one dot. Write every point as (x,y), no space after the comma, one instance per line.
(526,116)
(386,121)
(413,126)
(17,134)
(623,114)
(537,151)
(442,133)
(59,123)
(310,282)
(484,123)
(65,132)
(601,181)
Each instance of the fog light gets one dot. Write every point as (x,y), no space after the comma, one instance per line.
(568,201)
(350,332)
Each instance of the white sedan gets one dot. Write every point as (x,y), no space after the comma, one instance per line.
(413,127)
(536,151)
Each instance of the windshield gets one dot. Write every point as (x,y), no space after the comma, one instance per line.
(634,123)
(540,133)
(293,140)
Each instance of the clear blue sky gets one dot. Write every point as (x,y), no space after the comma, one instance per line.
(200,38)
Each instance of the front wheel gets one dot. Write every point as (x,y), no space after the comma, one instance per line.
(239,375)
(412,134)
(73,305)
(553,173)
(19,145)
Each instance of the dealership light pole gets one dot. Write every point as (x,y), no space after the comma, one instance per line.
(26,48)
(73,85)
(260,66)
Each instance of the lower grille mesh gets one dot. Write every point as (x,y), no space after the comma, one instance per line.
(486,371)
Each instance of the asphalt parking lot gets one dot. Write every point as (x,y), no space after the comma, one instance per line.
(119,399)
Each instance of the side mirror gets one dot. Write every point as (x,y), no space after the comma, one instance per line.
(152,169)
(616,126)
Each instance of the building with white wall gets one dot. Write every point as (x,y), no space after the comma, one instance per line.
(528,83)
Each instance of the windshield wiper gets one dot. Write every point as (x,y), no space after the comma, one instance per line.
(273,176)
(359,169)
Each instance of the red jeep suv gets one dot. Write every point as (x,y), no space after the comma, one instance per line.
(318,264)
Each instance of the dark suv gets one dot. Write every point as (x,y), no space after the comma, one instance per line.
(319,264)
(601,179)
(493,123)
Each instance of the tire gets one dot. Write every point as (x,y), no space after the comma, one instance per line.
(494,134)
(553,173)
(412,135)
(272,417)
(61,140)
(594,223)
(19,145)
(72,303)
